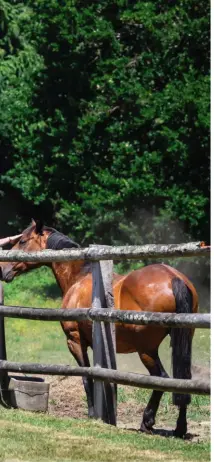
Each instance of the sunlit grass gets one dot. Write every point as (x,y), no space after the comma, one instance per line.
(28,436)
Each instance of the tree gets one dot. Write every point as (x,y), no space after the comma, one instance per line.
(19,64)
(114,140)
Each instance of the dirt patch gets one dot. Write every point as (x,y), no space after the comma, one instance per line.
(67,398)
(201,372)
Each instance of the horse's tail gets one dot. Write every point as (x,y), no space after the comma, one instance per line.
(181,339)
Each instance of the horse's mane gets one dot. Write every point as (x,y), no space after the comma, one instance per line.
(58,241)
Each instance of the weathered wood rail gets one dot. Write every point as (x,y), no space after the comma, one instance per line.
(97,253)
(103,317)
(111,376)
(107,315)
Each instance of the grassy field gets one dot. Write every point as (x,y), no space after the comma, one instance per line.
(26,436)
(34,437)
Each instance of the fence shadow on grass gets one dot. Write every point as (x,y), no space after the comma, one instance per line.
(49,291)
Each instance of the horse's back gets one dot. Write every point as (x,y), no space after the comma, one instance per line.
(146,289)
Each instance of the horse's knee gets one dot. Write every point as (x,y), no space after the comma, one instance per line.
(70,344)
(70,329)
(73,344)
(73,341)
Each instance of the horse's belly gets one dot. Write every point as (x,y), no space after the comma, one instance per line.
(130,338)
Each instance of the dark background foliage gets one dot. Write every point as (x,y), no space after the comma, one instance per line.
(104,122)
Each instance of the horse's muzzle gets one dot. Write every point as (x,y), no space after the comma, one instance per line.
(6,274)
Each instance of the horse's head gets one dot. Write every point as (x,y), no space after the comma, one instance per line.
(32,239)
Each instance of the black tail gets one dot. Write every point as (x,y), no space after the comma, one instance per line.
(181,340)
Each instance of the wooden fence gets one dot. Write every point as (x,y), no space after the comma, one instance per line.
(104,318)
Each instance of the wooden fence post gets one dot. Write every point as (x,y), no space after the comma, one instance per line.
(4,379)
(104,344)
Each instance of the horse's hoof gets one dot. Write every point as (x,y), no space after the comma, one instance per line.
(147,430)
(179,433)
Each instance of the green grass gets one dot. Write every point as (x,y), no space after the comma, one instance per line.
(35,341)
(37,288)
(28,436)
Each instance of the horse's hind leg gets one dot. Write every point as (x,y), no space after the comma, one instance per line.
(155,367)
(181,427)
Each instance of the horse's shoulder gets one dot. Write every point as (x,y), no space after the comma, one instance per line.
(81,289)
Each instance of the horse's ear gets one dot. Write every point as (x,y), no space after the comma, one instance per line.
(39,226)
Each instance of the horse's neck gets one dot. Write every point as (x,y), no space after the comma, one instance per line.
(67,273)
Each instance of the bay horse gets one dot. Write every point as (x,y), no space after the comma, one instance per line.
(155,288)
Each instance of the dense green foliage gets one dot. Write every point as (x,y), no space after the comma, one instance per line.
(104,121)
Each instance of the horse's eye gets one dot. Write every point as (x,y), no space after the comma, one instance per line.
(22,242)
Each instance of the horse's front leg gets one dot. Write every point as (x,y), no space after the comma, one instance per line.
(78,349)
(82,359)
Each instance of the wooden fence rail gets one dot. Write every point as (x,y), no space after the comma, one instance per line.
(102,315)
(107,315)
(96,253)
(112,376)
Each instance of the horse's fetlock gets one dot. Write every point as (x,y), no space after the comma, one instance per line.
(148,418)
